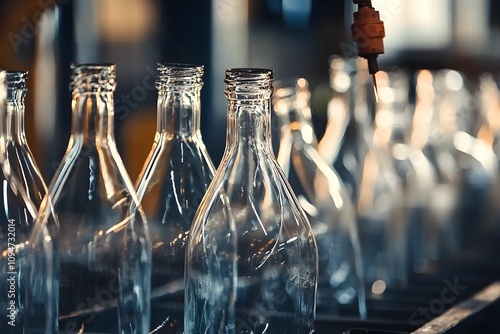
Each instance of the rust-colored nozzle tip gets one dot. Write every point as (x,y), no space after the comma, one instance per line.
(368,33)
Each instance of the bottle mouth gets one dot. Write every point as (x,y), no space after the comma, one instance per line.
(16,85)
(290,94)
(178,75)
(93,77)
(249,83)
(297,88)
(340,72)
(16,80)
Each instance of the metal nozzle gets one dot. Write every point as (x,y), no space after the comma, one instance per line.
(372,63)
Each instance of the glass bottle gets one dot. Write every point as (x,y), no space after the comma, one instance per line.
(349,130)
(22,192)
(381,200)
(105,247)
(338,109)
(432,135)
(488,95)
(173,181)
(252,261)
(325,200)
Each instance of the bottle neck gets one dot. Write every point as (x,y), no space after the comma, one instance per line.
(249,125)
(248,92)
(93,119)
(13,127)
(93,86)
(291,102)
(299,120)
(179,111)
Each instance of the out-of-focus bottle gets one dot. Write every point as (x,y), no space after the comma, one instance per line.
(105,247)
(23,190)
(349,130)
(488,96)
(380,203)
(252,260)
(323,197)
(171,185)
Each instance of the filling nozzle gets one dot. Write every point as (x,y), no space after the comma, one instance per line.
(368,33)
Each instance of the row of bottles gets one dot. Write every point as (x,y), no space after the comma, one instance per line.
(95,254)
(257,243)
(420,178)
(422,175)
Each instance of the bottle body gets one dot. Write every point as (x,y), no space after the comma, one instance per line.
(174,179)
(105,248)
(22,194)
(251,256)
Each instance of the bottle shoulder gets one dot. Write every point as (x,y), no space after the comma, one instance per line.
(20,167)
(257,197)
(20,198)
(15,217)
(176,164)
(174,179)
(91,175)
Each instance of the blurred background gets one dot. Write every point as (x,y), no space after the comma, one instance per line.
(292,37)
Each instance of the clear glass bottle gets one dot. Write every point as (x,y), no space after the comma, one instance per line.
(173,181)
(338,109)
(23,190)
(325,200)
(381,200)
(434,235)
(349,130)
(105,247)
(252,260)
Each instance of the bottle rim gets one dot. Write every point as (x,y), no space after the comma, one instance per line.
(248,74)
(93,66)
(178,75)
(183,67)
(16,80)
(93,77)
(249,83)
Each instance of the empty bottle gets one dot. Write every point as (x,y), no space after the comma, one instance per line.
(171,185)
(252,260)
(23,190)
(349,130)
(105,247)
(380,205)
